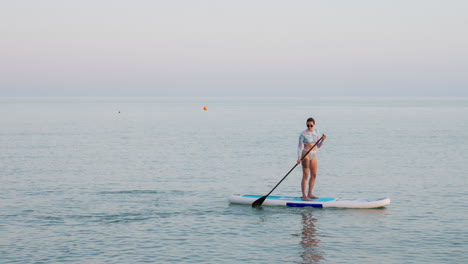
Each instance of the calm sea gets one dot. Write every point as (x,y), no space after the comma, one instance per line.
(145,180)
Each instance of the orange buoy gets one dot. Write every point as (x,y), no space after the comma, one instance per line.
(205,108)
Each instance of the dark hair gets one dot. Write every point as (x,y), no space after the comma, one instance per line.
(310,119)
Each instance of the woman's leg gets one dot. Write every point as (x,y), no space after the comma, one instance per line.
(313,165)
(305,179)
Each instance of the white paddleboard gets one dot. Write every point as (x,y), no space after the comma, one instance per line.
(319,203)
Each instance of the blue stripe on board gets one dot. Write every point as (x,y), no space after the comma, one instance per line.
(304,205)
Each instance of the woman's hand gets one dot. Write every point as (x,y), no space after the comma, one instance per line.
(298,160)
(324,137)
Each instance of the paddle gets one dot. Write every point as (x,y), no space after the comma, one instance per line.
(260,200)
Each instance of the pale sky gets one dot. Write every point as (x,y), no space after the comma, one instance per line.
(234,48)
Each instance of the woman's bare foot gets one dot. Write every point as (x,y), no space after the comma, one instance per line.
(306,198)
(313,196)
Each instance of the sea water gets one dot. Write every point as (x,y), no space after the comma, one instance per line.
(145,180)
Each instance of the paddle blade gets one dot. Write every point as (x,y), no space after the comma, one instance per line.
(259,201)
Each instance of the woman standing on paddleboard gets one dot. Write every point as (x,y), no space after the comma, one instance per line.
(307,139)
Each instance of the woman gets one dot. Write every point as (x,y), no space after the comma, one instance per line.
(307,139)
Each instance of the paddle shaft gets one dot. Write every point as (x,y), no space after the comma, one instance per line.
(260,200)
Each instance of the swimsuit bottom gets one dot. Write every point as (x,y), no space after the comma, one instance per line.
(311,154)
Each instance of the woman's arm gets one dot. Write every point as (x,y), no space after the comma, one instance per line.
(319,145)
(300,146)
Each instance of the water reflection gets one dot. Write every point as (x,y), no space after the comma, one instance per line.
(310,240)
(310,235)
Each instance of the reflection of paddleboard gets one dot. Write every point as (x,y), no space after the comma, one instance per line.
(321,202)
